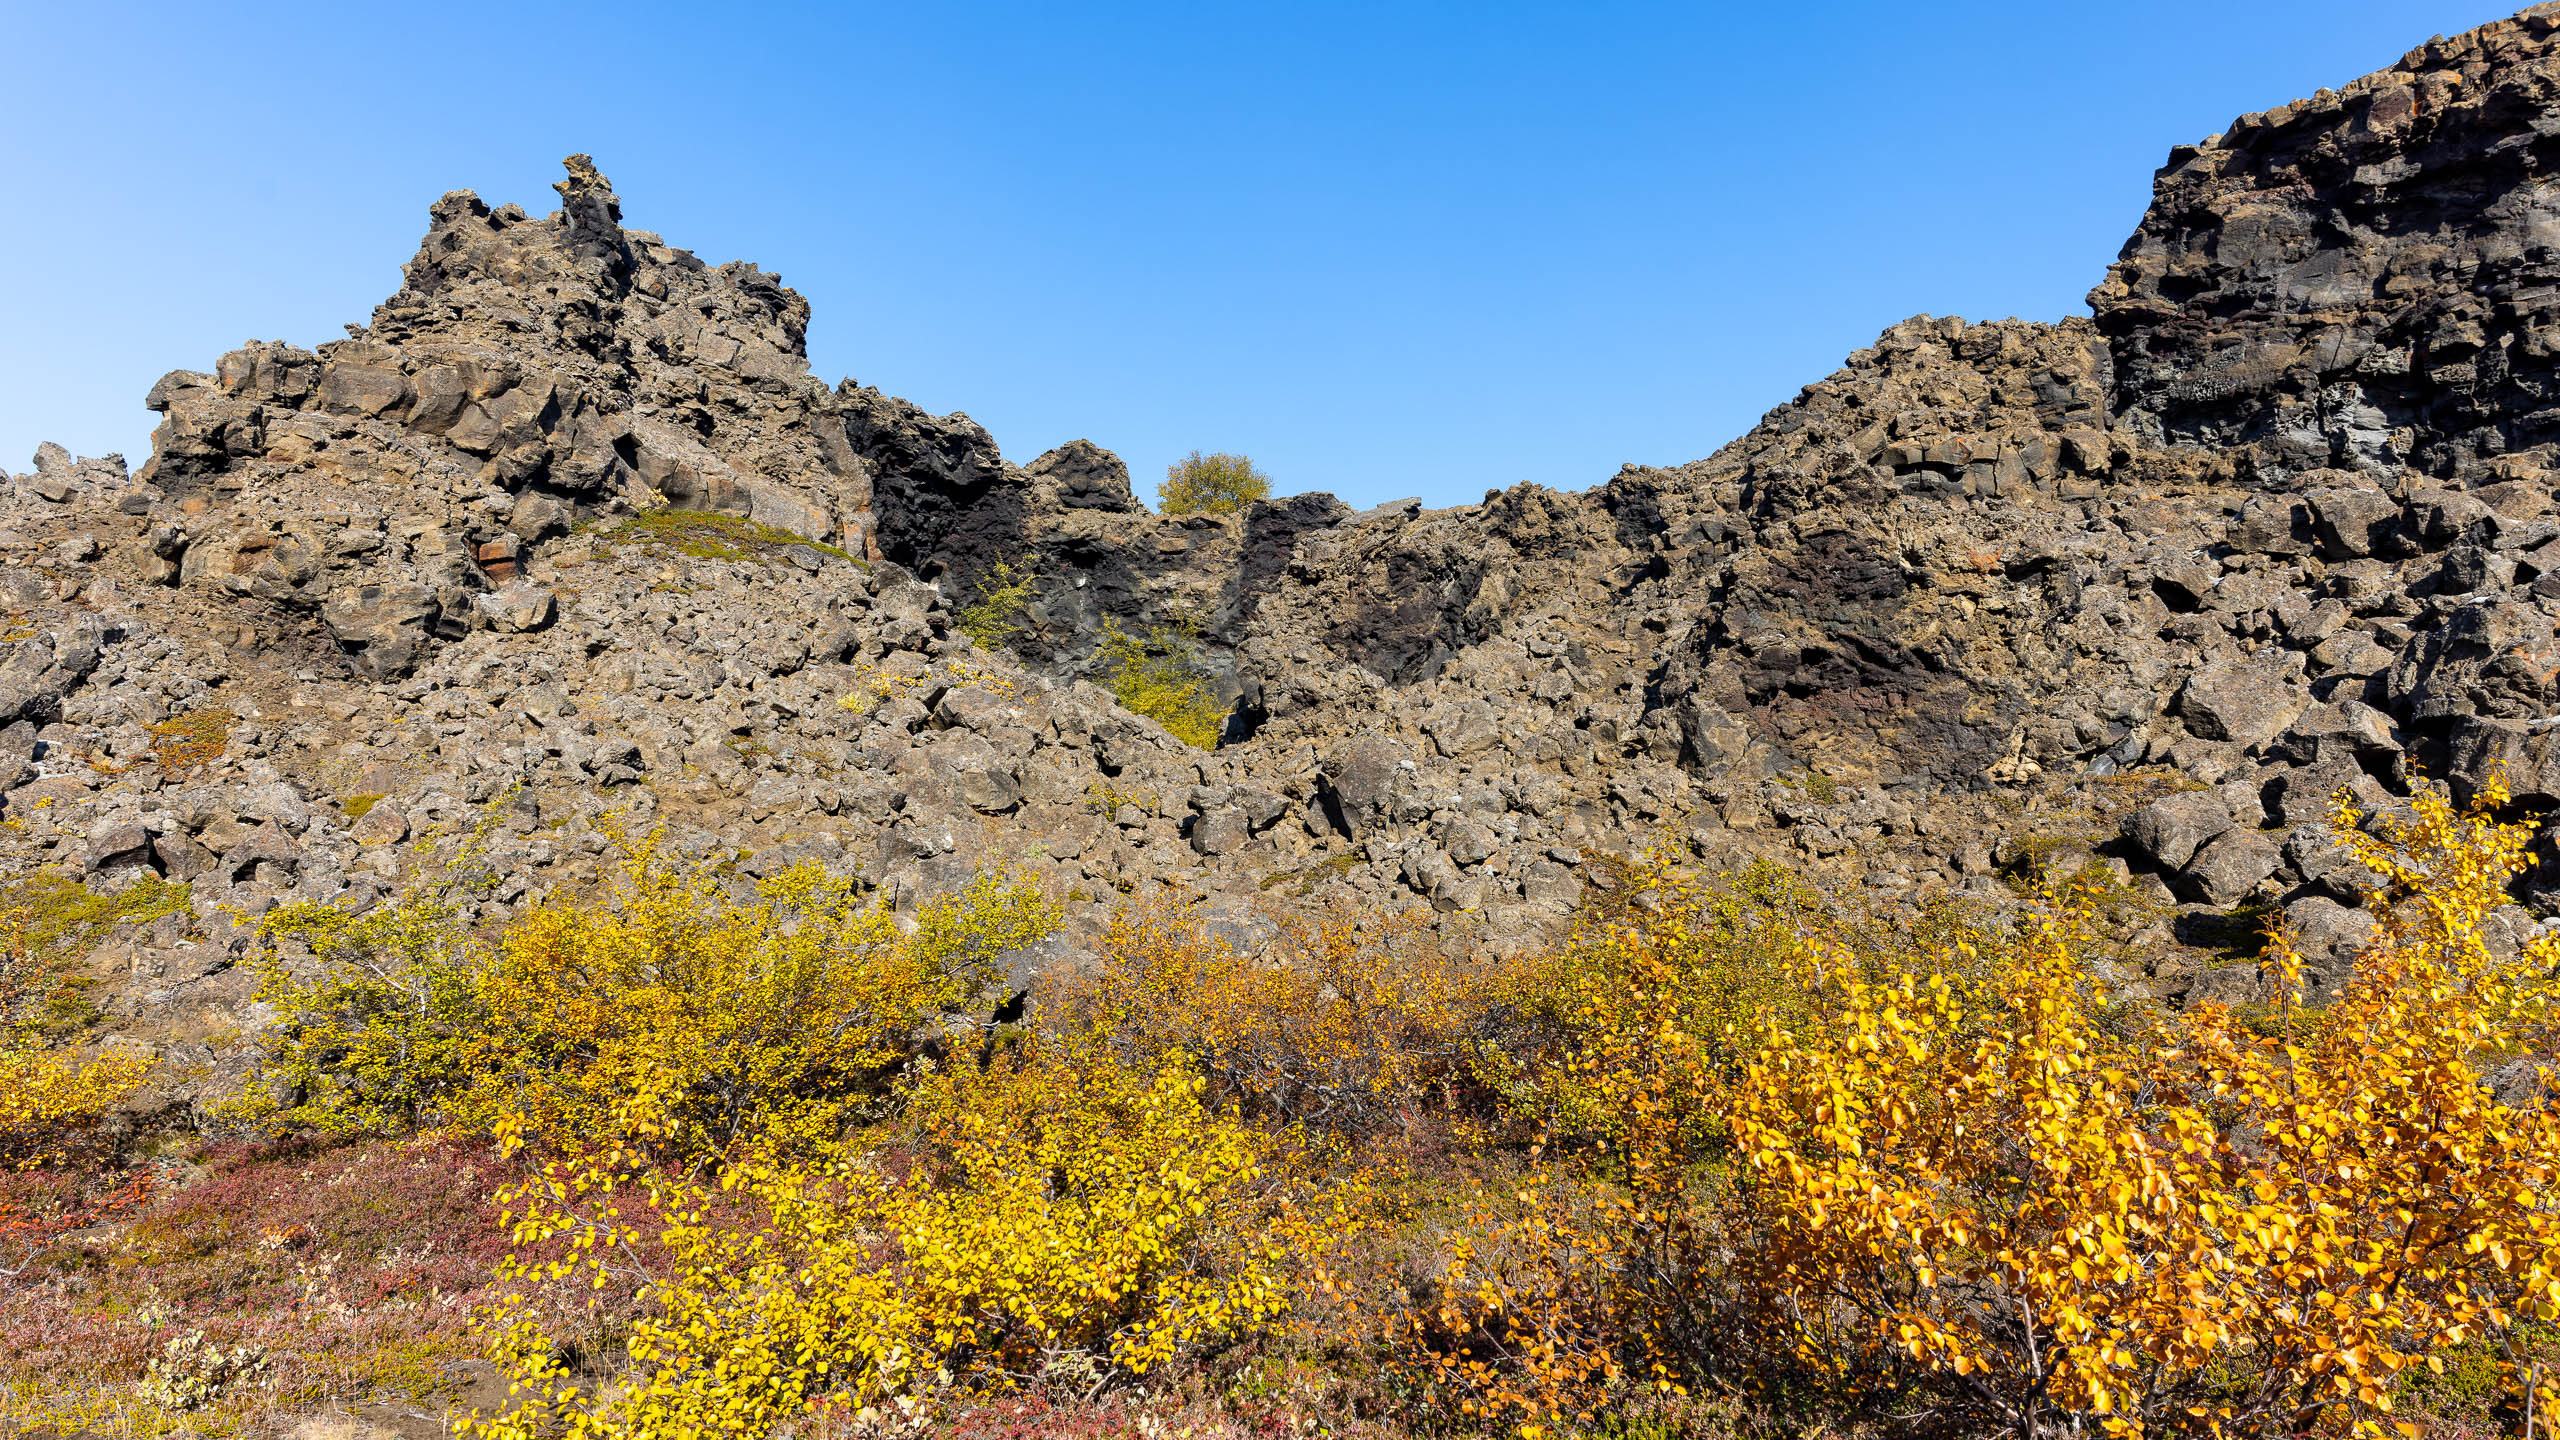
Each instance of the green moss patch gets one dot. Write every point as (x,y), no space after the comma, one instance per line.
(51,920)
(712,535)
(51,914)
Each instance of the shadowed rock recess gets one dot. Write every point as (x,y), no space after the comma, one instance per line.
(569,529)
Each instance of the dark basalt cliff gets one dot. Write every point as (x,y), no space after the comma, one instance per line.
(2364,280)
(2143,589)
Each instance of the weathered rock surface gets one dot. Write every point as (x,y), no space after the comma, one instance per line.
(2148,591)
(528,374)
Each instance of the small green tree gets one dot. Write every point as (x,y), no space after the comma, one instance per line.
(1217,484)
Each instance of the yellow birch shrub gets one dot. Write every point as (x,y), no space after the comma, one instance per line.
(1561,1301)
(743,1016)
(1060,1217)
(46,1094)
(1940,1177)
(967,932)
(2043,1227)
(1217,484)
(781,1011)
(1564,1296)
(1652,1002)
(382,1029)
(1005,593)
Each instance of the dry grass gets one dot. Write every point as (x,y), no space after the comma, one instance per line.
(189,742)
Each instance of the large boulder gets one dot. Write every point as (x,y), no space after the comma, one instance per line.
(382,625)
(1363,776)
(2170,831)
(514,608)
(2353,521)
(2305,796)
(1087,477)
(2324,866)
(2241,701)
(2230,867)
(2328,936)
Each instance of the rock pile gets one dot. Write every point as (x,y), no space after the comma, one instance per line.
(568,537)
(529,374)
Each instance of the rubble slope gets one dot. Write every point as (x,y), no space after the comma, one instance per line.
(568,538)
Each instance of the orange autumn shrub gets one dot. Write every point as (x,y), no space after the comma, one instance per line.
(1345,1022)
(1952,1185)
(1563,1296)
(2206,1228)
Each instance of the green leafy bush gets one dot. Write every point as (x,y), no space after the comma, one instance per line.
(1211,484)
(1161,677)
(995,617)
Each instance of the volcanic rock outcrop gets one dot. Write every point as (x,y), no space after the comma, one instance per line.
(2141,592)
(527,375)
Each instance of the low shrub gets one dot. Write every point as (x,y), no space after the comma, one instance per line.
(1639,1018)
(39,1205)
(1004,595)
(1943,1183)
(713,535)
(47,1096)
(344,1274)
(189,742)
(50,921)
(968,931)
(737,1017)
(1061,1217)
(1160,676)
(1346,1022)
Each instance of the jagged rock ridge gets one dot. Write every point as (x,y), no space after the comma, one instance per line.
(2277,520)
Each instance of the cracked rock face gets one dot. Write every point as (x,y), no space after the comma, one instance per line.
(2364,281)
(2143,592)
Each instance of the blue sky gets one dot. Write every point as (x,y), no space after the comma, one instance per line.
(1387,250)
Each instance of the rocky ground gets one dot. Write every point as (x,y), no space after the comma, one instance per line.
(568,537)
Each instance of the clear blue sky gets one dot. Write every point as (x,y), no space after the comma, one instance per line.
(1388,250)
